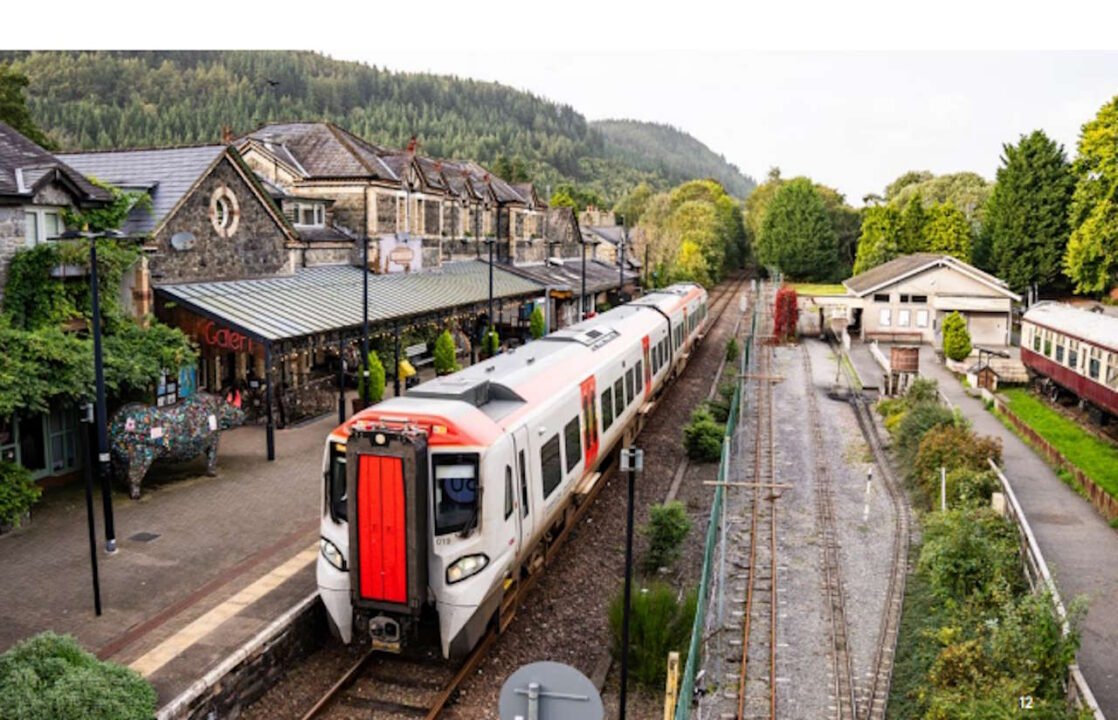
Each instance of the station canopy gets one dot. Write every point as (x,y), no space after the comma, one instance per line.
(327,299)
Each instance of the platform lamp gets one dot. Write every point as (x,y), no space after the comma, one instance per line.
(582,296)
(364,363)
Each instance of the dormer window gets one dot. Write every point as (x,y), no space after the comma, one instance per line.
(310,214)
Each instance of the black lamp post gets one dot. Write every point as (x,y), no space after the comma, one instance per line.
(365,320)
(621,262)
(102,415)
(582,297)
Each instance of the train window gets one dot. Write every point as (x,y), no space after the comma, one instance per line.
(573,442)
(618,398)
(336,482)
(629,394)
(509,502)
(456,491)
(523,484)
(551,468)
(1112,370)
(1073,356)
(1047,345)
(1036,341)
(1093,366)
(1059,353)
(607,408)
(638,374)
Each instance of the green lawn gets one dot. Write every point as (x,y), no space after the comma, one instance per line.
(818,289)
(1097,458)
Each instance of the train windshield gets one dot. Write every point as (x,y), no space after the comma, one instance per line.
(456,492)
(336,482)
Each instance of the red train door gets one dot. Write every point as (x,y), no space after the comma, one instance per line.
(382,529)
(589,420)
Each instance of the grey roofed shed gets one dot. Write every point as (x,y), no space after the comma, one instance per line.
(327,299)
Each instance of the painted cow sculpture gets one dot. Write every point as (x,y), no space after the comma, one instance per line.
(141,434)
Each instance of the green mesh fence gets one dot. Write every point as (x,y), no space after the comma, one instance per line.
(687,681)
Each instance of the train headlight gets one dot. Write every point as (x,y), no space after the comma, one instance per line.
(466,566)
(333,555)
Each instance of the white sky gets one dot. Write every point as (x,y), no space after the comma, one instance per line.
(852,94)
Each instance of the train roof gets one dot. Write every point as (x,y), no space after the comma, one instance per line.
(1093,327)
(477,400)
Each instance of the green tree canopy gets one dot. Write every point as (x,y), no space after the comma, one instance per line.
(633,205)
(967,191)
(1091,261)
(846,221)
(1027,213)
(912,177)
(797,235)
(911,229)
(878,242)
(13,106)
(947,232)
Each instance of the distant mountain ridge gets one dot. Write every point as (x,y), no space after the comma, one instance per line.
(655,147)
(110,99)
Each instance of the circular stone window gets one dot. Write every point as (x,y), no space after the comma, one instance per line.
(225,211)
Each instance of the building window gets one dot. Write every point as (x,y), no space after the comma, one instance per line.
(224,211)
(881,297)
(922,318)
(919,298)
(886,317)
(310,214)
(906,298)
(41,225)
(903,317)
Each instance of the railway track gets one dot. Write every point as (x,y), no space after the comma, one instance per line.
(756,689)
(383,686)
(874,699)
(843,687)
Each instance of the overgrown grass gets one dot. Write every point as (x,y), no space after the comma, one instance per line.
(819,288)
(914,655)
(1095,457)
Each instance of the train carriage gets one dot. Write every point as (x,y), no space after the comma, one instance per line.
(1067,349)
(442,499)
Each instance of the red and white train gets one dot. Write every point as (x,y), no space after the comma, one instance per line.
(439,501)
(1067,349)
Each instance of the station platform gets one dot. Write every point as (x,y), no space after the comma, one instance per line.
(205,565)
(870,374)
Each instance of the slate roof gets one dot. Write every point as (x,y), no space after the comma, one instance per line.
(1094,327)
(907,265)
(321,149)
(327,299)
(567,275)
(612,234)
(25,167)
(168,172)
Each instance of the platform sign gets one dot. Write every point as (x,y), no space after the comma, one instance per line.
(549,691)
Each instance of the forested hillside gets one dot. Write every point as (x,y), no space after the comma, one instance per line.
(130,99)
(665,150)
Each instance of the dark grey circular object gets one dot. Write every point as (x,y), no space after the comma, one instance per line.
(183,241)
(562,692)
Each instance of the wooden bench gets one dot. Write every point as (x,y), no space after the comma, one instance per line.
(415,354)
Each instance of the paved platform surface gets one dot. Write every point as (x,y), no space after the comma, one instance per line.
(1079,546)
(204,564)
(870,374)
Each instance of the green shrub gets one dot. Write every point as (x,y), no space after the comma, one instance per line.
(732,350)
(971,557)
(922,390)
(18,492)
(536,323)
(955,448)
(668,525)
(702,437)
(444,355)
(969,488)
(956,338)
(603,307)
(914,424)
(490,342)
(376,379)
(719,407)
(659,623)
(50,677)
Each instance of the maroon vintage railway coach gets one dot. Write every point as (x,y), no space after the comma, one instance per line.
(1075,350)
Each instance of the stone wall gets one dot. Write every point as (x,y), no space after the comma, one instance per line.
(432,253)
(256,248)
(13,238)
(326,255)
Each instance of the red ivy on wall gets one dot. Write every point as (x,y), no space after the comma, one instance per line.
(785,314)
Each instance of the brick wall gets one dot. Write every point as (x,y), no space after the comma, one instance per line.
(256,248)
